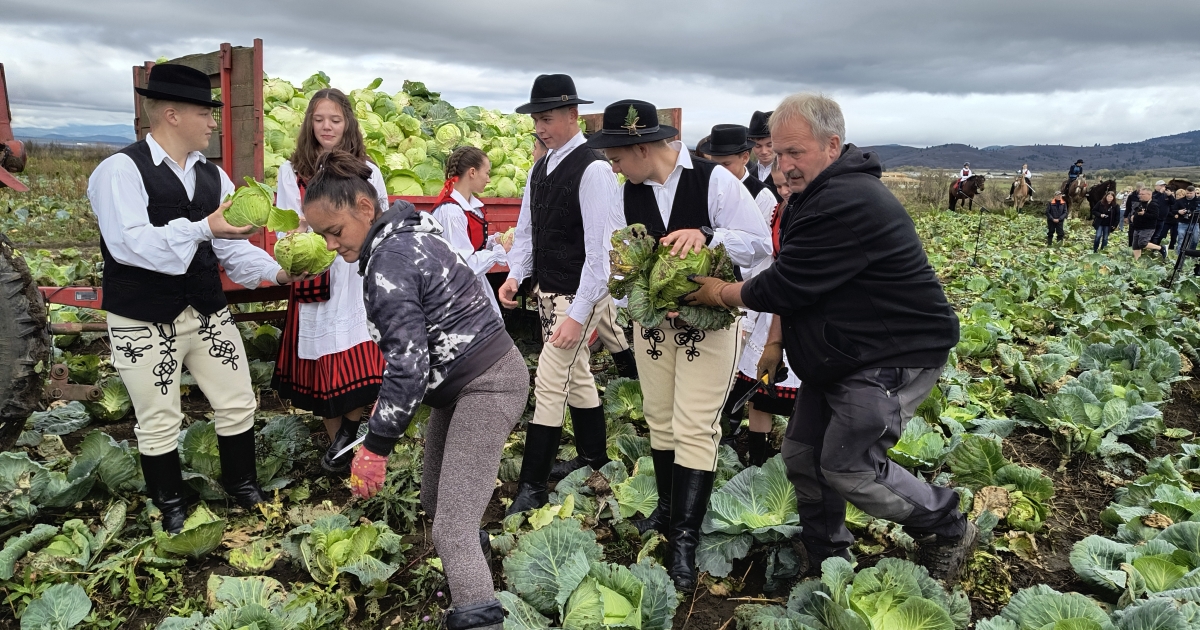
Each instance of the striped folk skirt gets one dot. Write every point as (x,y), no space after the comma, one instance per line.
(329,386)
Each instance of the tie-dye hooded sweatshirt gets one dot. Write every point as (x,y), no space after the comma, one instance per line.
(430,317)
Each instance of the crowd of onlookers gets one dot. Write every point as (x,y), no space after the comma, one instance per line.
(1147,215)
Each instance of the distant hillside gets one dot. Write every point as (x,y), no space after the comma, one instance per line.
(103,134)
(1168,151)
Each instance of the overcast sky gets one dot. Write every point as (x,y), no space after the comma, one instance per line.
(917,72)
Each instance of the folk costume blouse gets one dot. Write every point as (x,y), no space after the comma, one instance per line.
(453,218)
(339,323)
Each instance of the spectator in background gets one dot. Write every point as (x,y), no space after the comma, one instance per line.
(1129,202)
(1105,216)
(1161,200)
(1142,221)
(1185,209)
(1056,217)
(1121,204)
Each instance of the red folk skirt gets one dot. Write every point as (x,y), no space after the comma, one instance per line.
(334,384)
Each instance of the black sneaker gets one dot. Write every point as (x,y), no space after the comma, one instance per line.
(945,557)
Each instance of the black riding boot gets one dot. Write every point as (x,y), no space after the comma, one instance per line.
(626,365)
(164,485)
(690,490)
(480,616)
(239,473)
(591,442)
(660,518)
(541,445)
(346,434)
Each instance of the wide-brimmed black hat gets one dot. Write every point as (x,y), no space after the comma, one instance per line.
(181,84)
(1079,161)
(551,91)
(630,122)
(726,140)
(758,125)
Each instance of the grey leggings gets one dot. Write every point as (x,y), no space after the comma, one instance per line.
(463,443)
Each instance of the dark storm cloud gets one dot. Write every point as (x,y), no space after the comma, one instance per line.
(923,46)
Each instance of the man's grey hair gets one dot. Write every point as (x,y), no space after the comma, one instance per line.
(823,115)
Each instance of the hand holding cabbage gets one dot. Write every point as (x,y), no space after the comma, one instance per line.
(654,280)
(254,205)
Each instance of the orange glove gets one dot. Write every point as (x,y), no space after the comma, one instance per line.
(708,294)
(367,473)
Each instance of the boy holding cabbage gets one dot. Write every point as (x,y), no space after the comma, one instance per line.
(686,369)
(162,236)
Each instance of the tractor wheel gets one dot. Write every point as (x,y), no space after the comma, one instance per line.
(24,344)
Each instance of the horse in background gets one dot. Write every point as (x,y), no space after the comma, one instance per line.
(1096,193)
(1020,193)
(966,192)
(1076,193)
(1176,184)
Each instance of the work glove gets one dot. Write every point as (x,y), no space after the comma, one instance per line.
(709,293)
(769,362)
(367,473)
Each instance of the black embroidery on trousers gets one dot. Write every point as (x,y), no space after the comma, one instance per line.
(167,364)
(547,317)
(218,348)
(688,338)
(654,336)
(129,335)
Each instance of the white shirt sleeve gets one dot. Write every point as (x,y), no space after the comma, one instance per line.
(520,255)
(737,221)
(454,223)
(119,199)
(287,191)
(244,263)
(766,204)
(380,187)
(598,199)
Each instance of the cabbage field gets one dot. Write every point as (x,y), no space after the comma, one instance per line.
(1066,419)
(408,134)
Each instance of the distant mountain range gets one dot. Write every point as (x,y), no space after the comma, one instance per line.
(120,135)
(1168,151)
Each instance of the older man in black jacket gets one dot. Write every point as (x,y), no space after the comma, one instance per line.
(867,328)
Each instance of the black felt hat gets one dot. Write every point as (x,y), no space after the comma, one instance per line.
(758,125)
(181,84)
(551,91)
(630,122)
(726,140)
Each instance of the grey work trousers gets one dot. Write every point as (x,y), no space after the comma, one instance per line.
(463,444)
(836,451)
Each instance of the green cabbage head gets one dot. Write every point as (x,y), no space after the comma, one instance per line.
(669,276)
(254,204)
(303,252)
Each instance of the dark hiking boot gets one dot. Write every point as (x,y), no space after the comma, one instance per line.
(591,442)
(487,615)
(690,490)
(164,485)
(626,365)
(239,474)
(660,519)
(811,561)
(346,434)
(541,445)
(945,557)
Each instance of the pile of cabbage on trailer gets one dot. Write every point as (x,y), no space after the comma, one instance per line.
(408,134)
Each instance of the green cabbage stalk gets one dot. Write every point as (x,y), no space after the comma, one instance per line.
(254,204)
(303,252)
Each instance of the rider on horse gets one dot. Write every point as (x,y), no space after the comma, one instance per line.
(963,176)
(1028,182)
(1076,171)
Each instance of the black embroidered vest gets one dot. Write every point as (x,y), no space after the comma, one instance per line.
(148,295)
(689,210)
(557,222)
